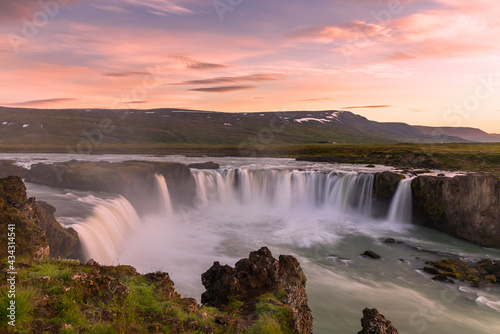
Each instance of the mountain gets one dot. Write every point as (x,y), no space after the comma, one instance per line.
(35,127)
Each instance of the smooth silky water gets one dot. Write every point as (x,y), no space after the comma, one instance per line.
(319,213)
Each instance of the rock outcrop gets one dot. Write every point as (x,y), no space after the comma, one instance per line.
(465,206)
(261,273)
(63,242)
(9,168)
(479,274)
(135,180)
(21,212)
(37,231)
(375,323)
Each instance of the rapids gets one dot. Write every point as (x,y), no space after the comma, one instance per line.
(320,213)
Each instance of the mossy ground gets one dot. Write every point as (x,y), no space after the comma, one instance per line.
(480,273)
(64,296)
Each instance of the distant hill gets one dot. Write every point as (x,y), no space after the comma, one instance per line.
(19,126)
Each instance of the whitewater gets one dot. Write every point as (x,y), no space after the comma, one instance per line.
(322,214)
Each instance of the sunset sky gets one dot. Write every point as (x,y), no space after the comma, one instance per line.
(433,62)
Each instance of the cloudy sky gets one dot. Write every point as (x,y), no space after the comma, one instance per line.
(433,62)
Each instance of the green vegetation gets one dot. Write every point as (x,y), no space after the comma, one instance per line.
(64,296)
(459,156)
(274,315)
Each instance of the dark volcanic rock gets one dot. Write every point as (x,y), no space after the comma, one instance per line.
(37,231)
(375,323)
(465,206)
(477,273)
(9,168)
(62,242)
(372,255)
(23,212)
(135,180)
(255,276)
(385,185)
(204,165)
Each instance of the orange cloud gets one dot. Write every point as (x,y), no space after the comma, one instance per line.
(222,89)
(41,103)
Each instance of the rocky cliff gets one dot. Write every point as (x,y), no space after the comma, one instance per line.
(36,229)
(385,185)
(132,179)
(465,206)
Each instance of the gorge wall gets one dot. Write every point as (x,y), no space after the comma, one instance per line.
(465,206)
(135,180)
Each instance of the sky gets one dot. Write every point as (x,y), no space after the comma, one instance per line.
(433,62)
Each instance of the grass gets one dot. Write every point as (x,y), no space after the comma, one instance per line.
(64,296)
(274,315)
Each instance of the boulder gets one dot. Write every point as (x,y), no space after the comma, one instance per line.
(261,273)
(375,323)
(372,255)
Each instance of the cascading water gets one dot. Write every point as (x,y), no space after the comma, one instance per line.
(400,210)
(103,233)
(285,189)
(295,210)
(164,195)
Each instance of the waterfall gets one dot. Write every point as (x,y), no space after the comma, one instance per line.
(285,189)
(400,210)
(103,233)
(164,195)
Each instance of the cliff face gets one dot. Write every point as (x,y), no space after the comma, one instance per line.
(133,179)
(261,274)
(22,212)
(38,234)
(63,242)
(385,185)
(465,206)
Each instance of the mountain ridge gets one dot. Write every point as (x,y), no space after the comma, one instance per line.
(20,126)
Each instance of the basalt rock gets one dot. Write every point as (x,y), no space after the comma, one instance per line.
(372,255)
(465,206)
(258,275)
(8,168)
(204,165)
(385,185)
(479,274)
(37,231)
(375,323)
(20,221)
(63,242)
(135,180)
